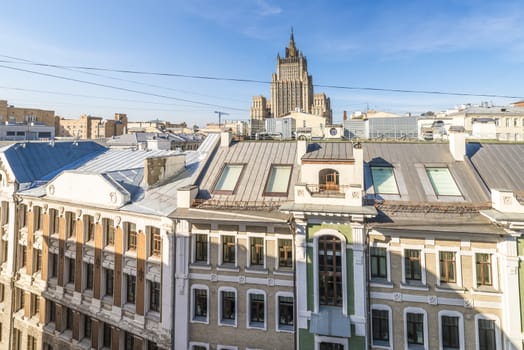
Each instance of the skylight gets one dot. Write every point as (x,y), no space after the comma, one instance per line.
(278,180)
(229,178)
(442,182)
(384,180)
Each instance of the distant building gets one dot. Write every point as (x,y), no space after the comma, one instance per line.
(381,128)
(291,90)
(26,131)
(156,141)
(90,127)
(12,114)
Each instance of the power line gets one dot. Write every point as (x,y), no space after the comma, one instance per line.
(242,80)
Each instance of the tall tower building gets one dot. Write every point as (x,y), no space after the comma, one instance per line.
(291,90)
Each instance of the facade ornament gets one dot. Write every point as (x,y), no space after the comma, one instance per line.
(51,189)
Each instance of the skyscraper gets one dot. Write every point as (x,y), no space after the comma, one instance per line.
(291,89)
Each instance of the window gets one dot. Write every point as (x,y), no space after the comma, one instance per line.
(278,180)
(17,339)
(384,180)
(22,218)
(285,313)
(412,266)
(228,181)
(31,342)
(109,232)
(200,304)
(198,347)
(487,338)
(109,282)
(23,250)
(89,276)
(228,307)
(52,311)
(155,242)
(331,346)
(483,262)
(256,251)
(38,260)
(129,341)
(228,250)
(35,305)
(69,319)
(328,180)
(330,270)
(257,310)
(450,332)
(38,215)
(54,264)
(87,327)
(71,224)
(447,267)
(442,182)
(415,330)
(378,256)
(154,296)
(200,248)
(89,226)
(380,327)
(285,253)
(54,220)
(130,233)
(70,270)
(106,336)
(131,285)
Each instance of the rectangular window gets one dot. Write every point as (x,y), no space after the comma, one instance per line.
(412,265)
(89,276)
(228,307)
(384,180)
(17,339)
(53,260)
(483,262)
(330,270)
(38,260)
(256,251)
(228,249)
(200,304)
(23,250)
(54,221)
(35,305)
(442,182)
(131,285)
(415,329)
(155,242)
(278,180)
(256,310)
(380,327)
(447,267)
(31,342)
(154,296)
(106,336)
(89,227)
(129,341)
(378,258)
(38,215)
(228,181)
(69,319)
(331,346)
(70,270)
(200,248)
(130,233)
(450,332)
(285,313)
(70,224)
(109,232)
(486,332)
(109,282)
(52,311)
(285,253)
(87,327)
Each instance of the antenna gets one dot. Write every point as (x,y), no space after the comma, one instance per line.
(220,114)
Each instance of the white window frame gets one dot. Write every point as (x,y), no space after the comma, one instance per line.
(435,187)
(221,249)
(254,235)
(390,325)
(494,267)
(277,314)
(320,339)
(460,325)
(343,247)
(388,261)
(498,340)
(279,268)
(193,247)
(392,174)
(227,289)
(192,319)
(415,310)
(248,308)
(226,347)
(193,344)
(458,264)
(420,248)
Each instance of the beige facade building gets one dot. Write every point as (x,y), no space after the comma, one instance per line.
(12,114)
(89,127)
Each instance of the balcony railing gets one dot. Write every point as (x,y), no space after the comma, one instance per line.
(327,190)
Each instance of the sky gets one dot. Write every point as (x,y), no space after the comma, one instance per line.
(466,46)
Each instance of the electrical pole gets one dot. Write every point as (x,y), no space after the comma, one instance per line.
(220,114)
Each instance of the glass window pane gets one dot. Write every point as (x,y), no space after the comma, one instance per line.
(229,178)
(442,182)
(278,179)
(384,180)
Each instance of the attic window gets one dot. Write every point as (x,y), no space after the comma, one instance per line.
(442,182)
(228,181)
(278,180)
(384,180)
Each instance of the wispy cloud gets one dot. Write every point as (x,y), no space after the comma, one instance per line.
(266,9)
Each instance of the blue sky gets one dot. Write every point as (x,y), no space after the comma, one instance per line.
(448,45)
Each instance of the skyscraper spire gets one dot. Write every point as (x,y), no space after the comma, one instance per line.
(291,50)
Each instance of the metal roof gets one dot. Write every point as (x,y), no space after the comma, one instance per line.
(117,159)
(329,151)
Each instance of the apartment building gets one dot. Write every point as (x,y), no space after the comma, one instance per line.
(22,115)
(90,127)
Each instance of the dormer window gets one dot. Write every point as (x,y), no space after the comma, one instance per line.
(228,181)
(328,180)
(442,182)
(278,180)
(384,180)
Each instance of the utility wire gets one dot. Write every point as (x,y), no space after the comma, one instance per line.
(241,80)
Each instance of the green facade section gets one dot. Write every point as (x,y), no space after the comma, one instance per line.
(343,229)
(357,343)
(307,340)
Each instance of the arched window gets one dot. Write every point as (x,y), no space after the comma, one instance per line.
(328,180)
(330,271)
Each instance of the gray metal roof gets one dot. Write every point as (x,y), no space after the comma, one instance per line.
(409,161)
(501,166)
(117,159)
(329,151)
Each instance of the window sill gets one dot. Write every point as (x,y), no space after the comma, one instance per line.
(282,272)
(486,290)
(200,319)
(285,329)
(381,284)
(229,267)
(381,346)
(450,288)
(130,253)
(228,323)
(200,266)
(259,270)
(153,315)
(155,259)
(256,325)
(414,286)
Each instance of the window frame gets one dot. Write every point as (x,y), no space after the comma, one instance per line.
(155,294)
(479,283)
(197,246)
(330,273)
(128,299)
(223,245)
(273,168)
(458,267)
(70,220)
(489,317)
(381,307)
(249,305)
(231,322)
(450,313)
(407,283)
(89,228)
(333,340)
(434,186)
(223,174)
(131,244)
(109,232)
(416,310)
(194,317)
(279,326)
(286,254)
(383,167)
(256,246)
(386,262)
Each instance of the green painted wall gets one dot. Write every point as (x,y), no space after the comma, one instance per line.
(344,229)
(357,343)
(351,283)
(306,339)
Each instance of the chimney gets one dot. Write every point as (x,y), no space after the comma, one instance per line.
(457,142)
(345,116)
(160,169)
(301,150)
(225,139)
(185,196)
